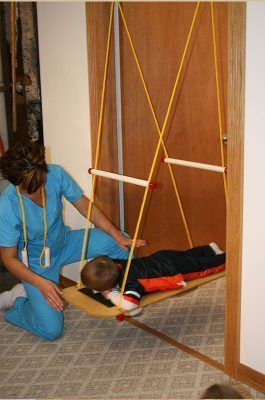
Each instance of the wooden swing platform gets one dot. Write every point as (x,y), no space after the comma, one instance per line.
(96,309)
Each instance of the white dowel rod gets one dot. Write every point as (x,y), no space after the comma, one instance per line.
(192,164)
(123,178)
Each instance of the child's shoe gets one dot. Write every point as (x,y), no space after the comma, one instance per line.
(7,298)
(216,248)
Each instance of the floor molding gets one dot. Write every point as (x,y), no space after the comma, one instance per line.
(251,377)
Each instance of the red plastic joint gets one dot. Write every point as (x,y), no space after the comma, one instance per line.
(120,317)
(162,159)
(2,148)
(89,170)
(152,185)
(225,169)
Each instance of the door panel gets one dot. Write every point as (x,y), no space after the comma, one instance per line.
(159,32)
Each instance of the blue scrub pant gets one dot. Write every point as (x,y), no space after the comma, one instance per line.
(33,313)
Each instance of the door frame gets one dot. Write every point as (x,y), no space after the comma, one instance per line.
(235,156)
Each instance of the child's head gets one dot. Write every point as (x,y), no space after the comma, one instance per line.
(101,273)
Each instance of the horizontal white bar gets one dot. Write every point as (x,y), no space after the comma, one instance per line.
(118,177)
(192,164)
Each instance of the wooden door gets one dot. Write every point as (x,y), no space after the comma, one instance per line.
(159,32)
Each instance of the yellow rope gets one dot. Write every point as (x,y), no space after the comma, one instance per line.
(161,134)
(23,218)
(156,120)
(88,223)
(153,164)
(45,227)
(24,226)
(218,98)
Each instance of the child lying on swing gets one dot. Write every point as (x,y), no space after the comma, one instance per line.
(163,270)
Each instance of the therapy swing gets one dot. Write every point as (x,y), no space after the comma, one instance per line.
(72,294)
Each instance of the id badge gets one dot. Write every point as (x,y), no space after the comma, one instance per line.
(25,257)
(47,257)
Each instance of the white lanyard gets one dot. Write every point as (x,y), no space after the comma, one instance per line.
(45,250)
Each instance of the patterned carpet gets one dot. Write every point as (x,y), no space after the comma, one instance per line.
(195,319)
(105,359)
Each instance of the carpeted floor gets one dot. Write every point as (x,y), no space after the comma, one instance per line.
(105,359)
(195,319)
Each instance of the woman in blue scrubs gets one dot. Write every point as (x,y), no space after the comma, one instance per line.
(36,190)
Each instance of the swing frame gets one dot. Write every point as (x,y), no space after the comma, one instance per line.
(69,296)
(235,152)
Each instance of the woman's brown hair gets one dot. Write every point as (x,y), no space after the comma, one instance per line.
(24,165)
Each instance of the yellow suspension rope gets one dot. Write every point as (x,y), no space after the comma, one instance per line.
(153,165)
(24,226)
(156,120)
(45,227)
(23,218)
(89,210)
(218,99)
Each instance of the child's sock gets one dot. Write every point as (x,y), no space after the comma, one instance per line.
(216,248)
(133,313)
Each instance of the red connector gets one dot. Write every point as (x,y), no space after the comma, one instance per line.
(162,159)
(2,148)
(89,170)
(152,185)
(120,317)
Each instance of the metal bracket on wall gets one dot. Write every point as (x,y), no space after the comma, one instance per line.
(224,138)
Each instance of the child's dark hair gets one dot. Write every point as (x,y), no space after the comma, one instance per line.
(100,274)
(24,165)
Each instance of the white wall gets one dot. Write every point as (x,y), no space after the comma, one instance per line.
(253,282)
(65,103)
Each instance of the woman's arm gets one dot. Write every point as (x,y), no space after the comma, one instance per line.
(99,219)
(49,289)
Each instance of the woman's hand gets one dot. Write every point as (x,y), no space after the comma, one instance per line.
(51,292)
(125,242)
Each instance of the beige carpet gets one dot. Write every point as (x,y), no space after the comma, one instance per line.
(195,319)
(105,359)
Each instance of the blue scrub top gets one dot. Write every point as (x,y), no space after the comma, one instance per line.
(58,184)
